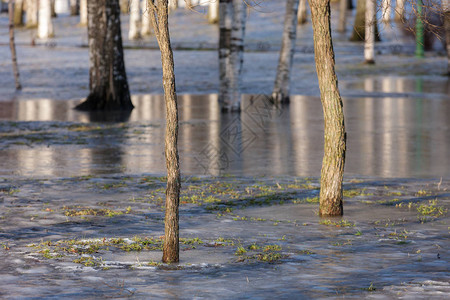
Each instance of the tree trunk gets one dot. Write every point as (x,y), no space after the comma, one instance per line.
(12,45)
(160,19)
(107,77)
(335,136)
(74,7)
(342,25)
(45,25)
(135,19)
(350,4)
(281,90)
(125,6)
(173,4)
(213,12)
(18,13)
(32,14)
(231,52)
(302,14)
(83,13)
(369,41)
(400,10)
(146,27)
(386,10)
(359,29)
(446,10)
(52,9)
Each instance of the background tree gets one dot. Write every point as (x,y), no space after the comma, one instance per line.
(342,23)
(446,11)
(400,10)
(32,14)
(231,52)
(302,12)
(159,14)
(146,27)
(359,28)
(135,20)
(83,13)
(45,25)
(18,12)
(213,12)
(107,77)
(12,45)
(331,203)
(369,41)
(281,88)
(386,10)
(74,7)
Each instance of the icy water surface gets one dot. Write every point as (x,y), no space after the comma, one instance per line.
(387,136)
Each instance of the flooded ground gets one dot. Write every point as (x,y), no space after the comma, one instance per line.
(81,195)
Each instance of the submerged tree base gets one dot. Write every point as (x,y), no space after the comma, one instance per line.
(96,103)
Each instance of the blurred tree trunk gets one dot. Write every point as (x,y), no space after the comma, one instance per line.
(213,12)
(83,13)
(369,41)
(74,7)
(135,19)
(331,203)
(32,14)
(12,44)
(18,13)
(359,29)
(231,52)
(446,11)
(342,25)
(173,4)
(302,14)
(45,25)
(125,6)
(52,9)
(350,4)
(107,77)
(386,6)
(159,14)
(146,27)
(400,10)
(281,90)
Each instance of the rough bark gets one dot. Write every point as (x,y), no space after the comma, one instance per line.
(18,13)
(446,10)
(369,41)
(135,19)
(386,10)
(302,14)
(359,28)
(45,25)
(400,10)
(159,14)
(342,24)
(331,203)
(83,13)
(74,7)
(12,45)
(32,14)
(231,52)
(107,77)
(213,12)
(281,90)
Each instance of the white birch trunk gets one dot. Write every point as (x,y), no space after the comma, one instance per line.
(32,13)
(400,10)
(83,13)
(342,25)
(146,25)
(386,10)
(281,88)
(302,14)
(135,19)
(231,52)
(369,41)
(45,25)
(213,12)
(173,4)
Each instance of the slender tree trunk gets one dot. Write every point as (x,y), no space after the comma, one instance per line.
(45,25)
(32,14)
(350,4)
(335,136)
(146,28)
(231,52)
(18,13)
(446,11)
(213,12)
(107,77)
(135,19)
(302,14)
(281,88)
(52,9)
(173,4)
(342,26)
(74,7)
(400,10)
(160,19)
(369,41)
(359,29)
(83,13)
(386,6)
(12,45)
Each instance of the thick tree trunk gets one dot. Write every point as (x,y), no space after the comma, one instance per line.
(213,12)
(74,7)
(281,90)
(32,14)
(45,25)
(359,29)
(446,11)
(146,27)
(342,25)
(135,19)
(160,19)
(302,14)
(83,13)
(335,138)
(12,45)
(231,52)
(386,6)
(107,77)
(369,41)
(18,13)
(52,9)
(350,4)
(400,10)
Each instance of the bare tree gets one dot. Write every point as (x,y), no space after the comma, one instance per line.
(159,14)
(83,13)
(231,52)
(107,77)
(281,88)
(359,28)
(302,14)
(386,10)
(12,44)
(400,10)
(213,12)
(343,6)
(74,7)
(446,10)
(369,41)
(146,27)
(135,20)
(32,14)
(331,203)
(18,12)
(45,25)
